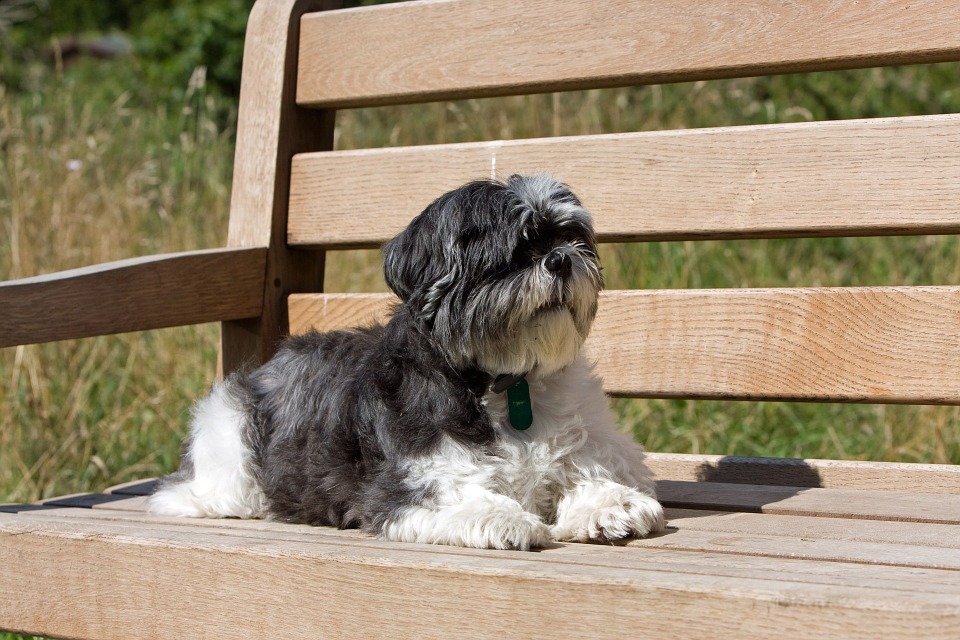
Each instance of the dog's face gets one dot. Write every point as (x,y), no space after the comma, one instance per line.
(504,276)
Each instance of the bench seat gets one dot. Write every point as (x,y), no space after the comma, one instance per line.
(877,555)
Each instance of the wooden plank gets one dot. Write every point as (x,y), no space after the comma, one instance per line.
(133,295)
(143,487)
(270,130)
(584,558)
(421,51)
(866,344)
(333,311)
(830,503)
(98,500)
(857,177)
(806,548)
(916,534)
(822,528)
(826,474)
(871,344)
(901,544)
(105,569)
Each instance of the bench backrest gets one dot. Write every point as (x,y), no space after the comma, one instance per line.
(293,198)
(851,178)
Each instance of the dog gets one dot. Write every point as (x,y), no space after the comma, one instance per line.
(470,418)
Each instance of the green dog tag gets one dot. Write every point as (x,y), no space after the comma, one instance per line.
(519,409)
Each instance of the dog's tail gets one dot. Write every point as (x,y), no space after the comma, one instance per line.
(216,477)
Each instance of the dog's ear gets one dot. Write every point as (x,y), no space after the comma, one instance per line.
(432,255)
(415,261)
(401,258)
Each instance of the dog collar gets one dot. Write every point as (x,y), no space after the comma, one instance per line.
(519,407)
(503,382)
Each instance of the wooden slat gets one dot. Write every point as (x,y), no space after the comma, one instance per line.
(932,546)
(857,177)
(862,541)
(143,487)
(104,568)
(270,129)
(880,344)
(866,344)
(420,51)
(847,528)
(584,558)
(706,518)
(781,546)
(133,295)
(917,534)
(830,503)
(828,474)
(333,311)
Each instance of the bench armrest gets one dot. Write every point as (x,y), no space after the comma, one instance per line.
(150,292)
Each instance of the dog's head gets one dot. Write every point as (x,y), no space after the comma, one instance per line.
(504,276)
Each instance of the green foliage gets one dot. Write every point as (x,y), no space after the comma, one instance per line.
(176,44)
(195,34)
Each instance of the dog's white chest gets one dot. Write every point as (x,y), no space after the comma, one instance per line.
(532,465)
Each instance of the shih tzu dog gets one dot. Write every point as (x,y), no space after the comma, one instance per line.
(471,418)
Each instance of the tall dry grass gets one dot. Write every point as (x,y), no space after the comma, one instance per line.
(88,178)
(91,172)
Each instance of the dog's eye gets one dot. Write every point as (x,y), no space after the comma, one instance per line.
(523,254)
(542,245)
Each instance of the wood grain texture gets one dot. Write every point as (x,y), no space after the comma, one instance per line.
(333,311)
(894,543)
(816,528)
(869,344)
(827,474)
(421,51)
(270,130)
(856,177)
(133,295)
(900,544)
(879,344)
(845,515)
(243,585)
(829,503)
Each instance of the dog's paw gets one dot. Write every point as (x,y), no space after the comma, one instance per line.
(486,521)
(503,529)
(606,511)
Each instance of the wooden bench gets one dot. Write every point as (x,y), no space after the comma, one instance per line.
(756,547)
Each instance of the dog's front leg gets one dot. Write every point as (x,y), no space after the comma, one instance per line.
(470,516)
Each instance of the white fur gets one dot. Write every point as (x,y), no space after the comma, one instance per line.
(571,469)
(222,485)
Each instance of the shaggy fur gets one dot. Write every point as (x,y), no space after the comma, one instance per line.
(402,429)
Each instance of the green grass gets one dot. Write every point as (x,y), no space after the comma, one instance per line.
(81,415)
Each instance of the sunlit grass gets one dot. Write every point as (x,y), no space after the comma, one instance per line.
(88,178)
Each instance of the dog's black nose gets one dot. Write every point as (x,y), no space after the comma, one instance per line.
(557,261)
